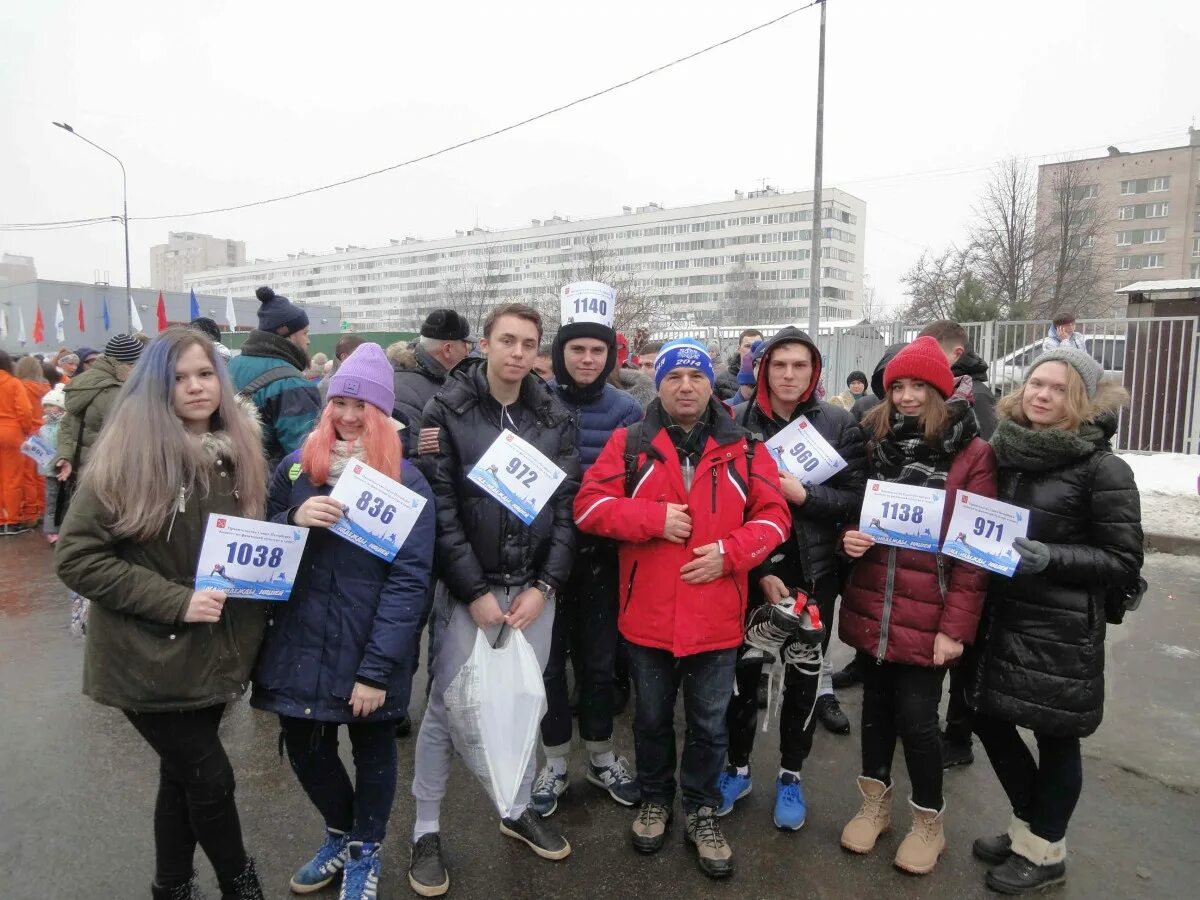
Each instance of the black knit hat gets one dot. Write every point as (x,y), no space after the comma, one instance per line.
(123,348)
(858,376)
(445,325)
(278,314)
(207,327)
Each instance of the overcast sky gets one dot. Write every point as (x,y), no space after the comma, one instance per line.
(220,102)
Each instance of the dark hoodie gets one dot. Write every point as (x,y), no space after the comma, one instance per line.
(597,409)
(810,555)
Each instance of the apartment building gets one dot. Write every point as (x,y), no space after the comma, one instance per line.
(186,252)
(1147,209)
(16,269)
(745,259)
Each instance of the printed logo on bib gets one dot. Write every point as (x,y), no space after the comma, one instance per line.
(588,301)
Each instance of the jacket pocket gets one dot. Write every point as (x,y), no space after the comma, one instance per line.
(629,588)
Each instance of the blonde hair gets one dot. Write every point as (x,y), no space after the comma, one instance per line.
(29,369)
(1079,408)
(144,457)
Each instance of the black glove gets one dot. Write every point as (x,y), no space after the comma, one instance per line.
(1035,556)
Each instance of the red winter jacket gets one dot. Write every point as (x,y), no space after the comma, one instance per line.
(899,624)
(740,506)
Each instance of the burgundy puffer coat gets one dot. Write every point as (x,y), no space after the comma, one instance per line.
(896,601)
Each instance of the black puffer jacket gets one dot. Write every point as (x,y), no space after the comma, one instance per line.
(1041,648)
(479,542)
(970,363)
(829,506)
(416,379)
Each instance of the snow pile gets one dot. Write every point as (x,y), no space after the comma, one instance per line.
(1170,474)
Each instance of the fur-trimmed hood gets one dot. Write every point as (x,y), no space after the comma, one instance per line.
(638,385)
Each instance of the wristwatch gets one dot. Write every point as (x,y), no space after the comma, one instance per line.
(548,592)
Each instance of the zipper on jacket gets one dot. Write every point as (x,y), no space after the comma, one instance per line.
(941,572)
(181,507)
(629,588)
(885,622)
(714,488)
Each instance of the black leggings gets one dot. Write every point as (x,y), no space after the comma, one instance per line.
(195,795)
(902,700)
(1042,793)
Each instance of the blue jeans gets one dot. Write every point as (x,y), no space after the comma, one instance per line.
(360,809)
(707,682)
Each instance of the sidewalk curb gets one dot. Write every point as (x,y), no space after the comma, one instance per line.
(1177,544)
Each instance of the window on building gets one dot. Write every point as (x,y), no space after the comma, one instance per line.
(1154,236)
(1123,262)
(1124,238)
(1127,212)
(1196,246)
(1157,210)
(1196,270)
(1160,184)
(1152,261)
(1128,187)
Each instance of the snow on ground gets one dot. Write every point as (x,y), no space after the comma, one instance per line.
(1170,500)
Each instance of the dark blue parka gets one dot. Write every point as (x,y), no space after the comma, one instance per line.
(351,617)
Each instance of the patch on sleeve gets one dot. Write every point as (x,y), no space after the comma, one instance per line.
(294,471)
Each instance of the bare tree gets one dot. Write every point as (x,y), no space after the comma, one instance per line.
(934,282)
(872,304)
(1070,224)
(1003,242)
(743,297)
(471,289)
(639,305)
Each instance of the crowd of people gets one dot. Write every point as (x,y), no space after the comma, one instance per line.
(674,557)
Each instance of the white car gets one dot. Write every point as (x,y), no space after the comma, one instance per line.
(1009,371)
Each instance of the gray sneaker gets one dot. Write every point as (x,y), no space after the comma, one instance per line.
(650,827)
(615,779)
(713,852)
(547,788)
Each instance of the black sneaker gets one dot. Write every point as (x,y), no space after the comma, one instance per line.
(1017,875)
(188,891)
(245,886)
(846,677)
(956,753)
(829,711)
(541,838)
(427,873)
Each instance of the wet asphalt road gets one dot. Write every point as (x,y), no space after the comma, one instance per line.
(77,788)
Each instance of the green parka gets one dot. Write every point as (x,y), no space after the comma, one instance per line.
(89,398)
(140,655)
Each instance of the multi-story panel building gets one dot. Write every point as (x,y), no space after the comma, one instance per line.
(1147,206)
(186,252)
(17,269)
(741,260)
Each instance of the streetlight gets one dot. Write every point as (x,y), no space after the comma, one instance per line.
(124,218)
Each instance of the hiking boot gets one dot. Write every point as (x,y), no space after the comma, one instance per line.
(360,878)
(995,850)
(873,818)
(548,787)
(325,866)
(615,779)
(245,886)
(1035,863)
(650,827)
(956,753)
(846,677)
(919,851)
(713,852)
(189,890)
(830,714)
(541,838)
(733,787)
(790,808)
(427,873)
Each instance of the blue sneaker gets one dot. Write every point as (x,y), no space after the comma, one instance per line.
(790,808)
(733,787)
(361,878)
(548,787)
(324,867)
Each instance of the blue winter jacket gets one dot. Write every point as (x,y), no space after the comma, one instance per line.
(351,617)
(596,420)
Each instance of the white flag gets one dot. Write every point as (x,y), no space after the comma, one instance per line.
(135,321)
(3,323)
(21,326)
(59,333)
(230,316)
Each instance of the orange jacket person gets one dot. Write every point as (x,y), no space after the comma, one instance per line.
(16,424)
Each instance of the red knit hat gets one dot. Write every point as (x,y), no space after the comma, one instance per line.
(923,359)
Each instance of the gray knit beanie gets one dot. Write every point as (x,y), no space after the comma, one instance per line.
(1089,370)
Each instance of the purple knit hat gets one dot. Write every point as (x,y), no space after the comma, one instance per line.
(365,375)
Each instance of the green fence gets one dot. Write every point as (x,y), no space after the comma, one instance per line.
(324,343)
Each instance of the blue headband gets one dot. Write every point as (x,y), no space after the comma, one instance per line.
(685,353)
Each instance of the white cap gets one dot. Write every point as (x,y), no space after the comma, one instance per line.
(588,301)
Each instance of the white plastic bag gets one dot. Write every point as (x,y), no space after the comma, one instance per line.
(495,706)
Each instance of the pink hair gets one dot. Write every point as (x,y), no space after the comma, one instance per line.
(379,438)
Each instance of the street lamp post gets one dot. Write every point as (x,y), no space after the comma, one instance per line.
(124,219)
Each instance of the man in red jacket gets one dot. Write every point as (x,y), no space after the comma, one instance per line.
(694,508)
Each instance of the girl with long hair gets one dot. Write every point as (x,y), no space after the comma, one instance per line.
(909,613)
(1043,629)
(176,447)
(342,650)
